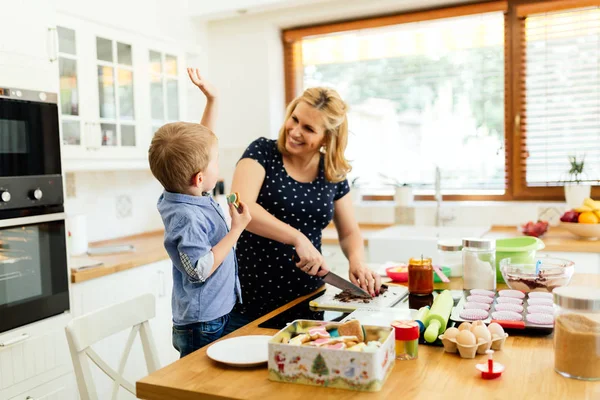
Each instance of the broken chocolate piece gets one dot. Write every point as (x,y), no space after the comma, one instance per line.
(345,296)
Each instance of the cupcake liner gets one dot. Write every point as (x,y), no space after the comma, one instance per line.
(507,316)
(540,319)
(539,302)
(540,310)
(478,306)
(540,295)
(480,299)
(509,307)
(482,292)
(474,314)
(508,300)
(511,293)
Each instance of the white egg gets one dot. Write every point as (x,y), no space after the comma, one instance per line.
(481,332)
(451,333)
(496,329)
(464,325)
(466,338)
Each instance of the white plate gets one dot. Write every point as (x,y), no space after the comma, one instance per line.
(241,351)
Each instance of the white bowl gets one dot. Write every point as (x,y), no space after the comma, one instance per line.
(583,231)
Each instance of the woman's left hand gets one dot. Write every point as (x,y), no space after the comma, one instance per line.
(362,276)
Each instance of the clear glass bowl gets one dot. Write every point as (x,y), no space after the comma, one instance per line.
(553,272)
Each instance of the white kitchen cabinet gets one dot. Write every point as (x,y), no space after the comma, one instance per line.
(91,295)
(111,92)
(35,361)
(585,263)
(28,45)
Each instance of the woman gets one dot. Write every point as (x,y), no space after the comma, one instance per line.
(294,186)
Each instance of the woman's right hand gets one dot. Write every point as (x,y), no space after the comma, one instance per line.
(311,261)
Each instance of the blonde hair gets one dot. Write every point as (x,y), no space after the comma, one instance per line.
(179,151)
(333,109)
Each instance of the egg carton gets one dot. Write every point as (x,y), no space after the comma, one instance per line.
(469,339)
(513,310)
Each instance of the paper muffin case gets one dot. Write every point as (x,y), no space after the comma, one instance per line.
(343,369)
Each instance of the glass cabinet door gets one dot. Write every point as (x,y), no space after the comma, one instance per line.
(68,63)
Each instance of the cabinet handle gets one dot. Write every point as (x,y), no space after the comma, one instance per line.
(52,44)
(12,341)
(29,398)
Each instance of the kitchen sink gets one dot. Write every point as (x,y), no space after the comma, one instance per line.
(401,242)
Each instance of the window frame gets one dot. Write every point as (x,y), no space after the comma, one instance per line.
(515,12)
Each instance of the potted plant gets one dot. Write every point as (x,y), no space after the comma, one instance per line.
(355,190)
(575,190)
(403,194)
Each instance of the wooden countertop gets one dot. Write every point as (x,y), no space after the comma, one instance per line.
(149,248)
(529,374)
(556,239)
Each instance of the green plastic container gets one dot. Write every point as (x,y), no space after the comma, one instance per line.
(520,249)
(445,270)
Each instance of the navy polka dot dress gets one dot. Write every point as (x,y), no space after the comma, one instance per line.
(268,276)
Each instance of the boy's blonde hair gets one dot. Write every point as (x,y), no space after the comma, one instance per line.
(179,151)
(333,109)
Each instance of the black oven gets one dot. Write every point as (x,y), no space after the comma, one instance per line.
(33,252)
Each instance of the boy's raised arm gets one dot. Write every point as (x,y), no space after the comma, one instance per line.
(210,111)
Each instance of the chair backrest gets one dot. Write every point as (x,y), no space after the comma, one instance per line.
(83,332)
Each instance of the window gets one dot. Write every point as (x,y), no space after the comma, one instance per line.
(115,91)
(69,86)
(164,89)
(561,96)
(421,94)
(497,94)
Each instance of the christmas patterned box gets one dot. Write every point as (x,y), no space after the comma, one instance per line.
(325,361)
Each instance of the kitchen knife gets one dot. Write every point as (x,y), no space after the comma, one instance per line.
(341,283)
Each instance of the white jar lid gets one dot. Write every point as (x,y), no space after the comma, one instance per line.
(449,245)
(479,243)
(577,298)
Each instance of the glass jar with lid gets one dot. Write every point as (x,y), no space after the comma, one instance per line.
(577,332)
(450,256)
(479,263)
(420,276)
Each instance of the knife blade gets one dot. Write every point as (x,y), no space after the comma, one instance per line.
(341,283)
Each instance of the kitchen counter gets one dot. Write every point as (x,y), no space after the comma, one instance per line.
(529,373)
(556,239)
(149,248)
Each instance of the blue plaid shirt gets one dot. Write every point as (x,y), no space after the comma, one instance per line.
(193,225)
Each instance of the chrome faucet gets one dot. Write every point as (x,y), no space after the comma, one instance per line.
(438,195)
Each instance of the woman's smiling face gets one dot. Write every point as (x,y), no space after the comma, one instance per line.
(305,131)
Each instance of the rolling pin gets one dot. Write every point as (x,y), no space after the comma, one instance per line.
(420,317)
(437,318)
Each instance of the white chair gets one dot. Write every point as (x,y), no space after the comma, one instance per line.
(84,331)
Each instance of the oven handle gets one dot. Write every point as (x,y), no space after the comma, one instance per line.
(16,340)
(36,219)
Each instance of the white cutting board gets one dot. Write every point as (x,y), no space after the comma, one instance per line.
(326,301)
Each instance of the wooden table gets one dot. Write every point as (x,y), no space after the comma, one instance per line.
(529,374)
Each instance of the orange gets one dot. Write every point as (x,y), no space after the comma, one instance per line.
(588,217)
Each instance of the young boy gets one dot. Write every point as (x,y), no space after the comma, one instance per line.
(184,158)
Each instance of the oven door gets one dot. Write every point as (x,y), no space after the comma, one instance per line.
(29,135)
(33,269)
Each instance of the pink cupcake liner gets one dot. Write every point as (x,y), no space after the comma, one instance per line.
(480,299)
(509,307)
(539,302)
(511,293)
(474,314)
(540,319)
(540,295)
(540,310)
(509,300)
(476,306)
(507,316)
(482,292)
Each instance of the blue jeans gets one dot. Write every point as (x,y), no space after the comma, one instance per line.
(236,321)
(189,338)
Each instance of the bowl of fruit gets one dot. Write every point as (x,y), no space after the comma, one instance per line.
(584,221)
